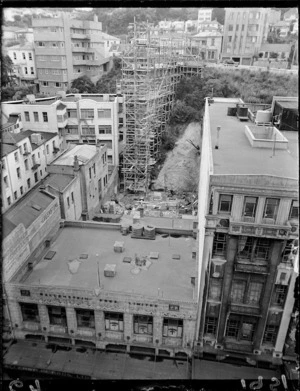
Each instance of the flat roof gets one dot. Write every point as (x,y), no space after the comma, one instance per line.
(25,211)
(83,152)
(236,155)
(58,181)
(288,104)
(171,276)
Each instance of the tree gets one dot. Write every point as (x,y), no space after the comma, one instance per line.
(7,75)
(84,85)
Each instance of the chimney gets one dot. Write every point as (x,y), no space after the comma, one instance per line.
(76,163)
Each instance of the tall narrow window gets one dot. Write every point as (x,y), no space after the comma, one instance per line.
(270,335)
(294,212)
(219,244)
(271,208)
(225,203)
(250,204)
(36,116)
(45,117)
(238,291)
(27,118)
(57,316)
(114,321)
(254,292)
(262,249)
(143,324)
(210,325)
(172,327)
(18,173)
(30,312)
(85,318)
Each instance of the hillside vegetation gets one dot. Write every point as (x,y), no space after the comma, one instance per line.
(255,87)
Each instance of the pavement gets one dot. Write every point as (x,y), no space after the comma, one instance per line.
(212,370)
(92,363)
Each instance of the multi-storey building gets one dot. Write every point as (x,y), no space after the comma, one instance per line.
(78,118)
(245,29)
(205,15)
(248,234)
(94,118)
(11,123)
(101,289)
(89,164)
(23,59)
(66,49)
(25,156)
(210,44)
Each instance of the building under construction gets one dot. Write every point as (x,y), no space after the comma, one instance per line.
(152,65)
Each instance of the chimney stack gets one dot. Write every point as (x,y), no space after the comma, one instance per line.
(76,163)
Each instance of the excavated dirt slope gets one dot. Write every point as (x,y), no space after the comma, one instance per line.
(180,171)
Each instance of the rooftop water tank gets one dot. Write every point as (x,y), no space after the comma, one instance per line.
(263,116)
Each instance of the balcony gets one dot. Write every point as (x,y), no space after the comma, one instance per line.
(80,36)
(35,166)
(267,228)
(80,49)
(238,347)
(244,308)
(246,266)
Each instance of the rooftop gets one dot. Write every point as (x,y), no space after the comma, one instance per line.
(13,138)
(26,210)
(58,181)
(83,152)
(172,277)
(236,155)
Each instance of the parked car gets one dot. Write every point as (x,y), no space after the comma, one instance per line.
(229,63)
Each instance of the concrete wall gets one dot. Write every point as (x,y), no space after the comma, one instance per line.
(22,242)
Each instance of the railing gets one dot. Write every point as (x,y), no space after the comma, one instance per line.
(264,228)
(244,308)
(245,265)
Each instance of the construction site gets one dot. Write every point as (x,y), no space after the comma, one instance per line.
(152,66)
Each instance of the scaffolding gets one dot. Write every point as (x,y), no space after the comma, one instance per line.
(152,65)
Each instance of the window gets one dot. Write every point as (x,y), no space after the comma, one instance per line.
(28,183)
(232,328)
(225,203)
(94,169)
(213,42)
(85,318)
(21,190)
(271,208)
(254,292)
(57,84)
(57,316)
(36,116)
(247,331)
(262,248)
(250,204)
(114,321)
(294,212)
(238,291)
(30,312)
(109,160)
(270,334)
(16,156)
(143,324)
(36,177)
(45,83)
(219,244)
(243,27)
(86,113)
(30,56)
(68,202)
(120,109)
(47,149)
(215,287)
(229,39)
(72,113)
(15,195)
(15,56)
(3,165)
(24,56)
(45,117)
(173,328)
(245,247)
(104,129)
(88,130)
(8,200)
(31,70)
(72,197)
(279,296)
(18,173)
(5,179)
(27,118)
(106,113)
(26,70)
(26,164)
(210,326)
(230,27)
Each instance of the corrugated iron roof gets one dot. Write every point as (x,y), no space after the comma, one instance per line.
(58,181)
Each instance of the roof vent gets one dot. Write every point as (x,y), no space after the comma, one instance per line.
(36,207)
